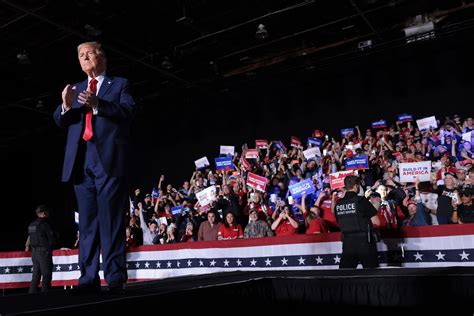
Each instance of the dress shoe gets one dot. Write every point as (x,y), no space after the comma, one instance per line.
(116,288)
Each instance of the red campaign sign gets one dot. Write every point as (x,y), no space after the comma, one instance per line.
(251,154)
(261,143)
(257,182)
(295,142)
(336,180)
(318,134)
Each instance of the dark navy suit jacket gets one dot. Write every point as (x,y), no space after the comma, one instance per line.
(111,126)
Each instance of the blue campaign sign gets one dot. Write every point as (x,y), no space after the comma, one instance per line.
(346,131)
(302,187)
(314,142)
(154,192)
(224,163)
(405,118)
(176,209)
(379,124)
(357,163)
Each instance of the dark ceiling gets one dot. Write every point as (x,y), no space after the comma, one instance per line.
(210,44)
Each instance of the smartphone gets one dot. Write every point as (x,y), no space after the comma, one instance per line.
(290,200)
(252,195)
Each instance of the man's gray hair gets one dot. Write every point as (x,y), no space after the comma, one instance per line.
(97,45)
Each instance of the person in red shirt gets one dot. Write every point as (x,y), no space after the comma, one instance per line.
(314,223)
(230,229)
(284,225)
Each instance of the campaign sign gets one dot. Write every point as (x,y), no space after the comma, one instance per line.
(314,142)
(467,136)
(279,145)
(346,131)
(295,142)
(257,182)
(301,188)
(312,152)
(206,196)
(227,150)
(426,123)
(224,163)
(357,163)
(336,180)
(261,144)
(176,210)
(379,124)
(405,118)
(251,154)
(202,163)
(411,170)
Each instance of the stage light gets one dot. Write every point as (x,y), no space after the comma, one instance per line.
(261,33)
(422,29)
(23,58)
(40,104)
(167,64)
(363,45)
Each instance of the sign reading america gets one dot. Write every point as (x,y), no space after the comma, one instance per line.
(411,170)
(301,188)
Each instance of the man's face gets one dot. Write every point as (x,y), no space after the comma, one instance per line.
(253,216)
(211,218)
(91,62)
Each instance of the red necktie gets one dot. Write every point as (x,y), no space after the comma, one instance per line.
(88,133)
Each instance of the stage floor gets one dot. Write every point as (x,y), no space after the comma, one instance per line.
(380,290)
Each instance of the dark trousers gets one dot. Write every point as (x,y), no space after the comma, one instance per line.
(42,266)
(357,249)
(102,204)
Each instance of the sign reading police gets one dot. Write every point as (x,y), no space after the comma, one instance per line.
(412,170)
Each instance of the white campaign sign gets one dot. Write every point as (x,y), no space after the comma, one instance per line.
(202,163)
(206,196)
(312,152)
(426,123)
(411,170)
(227,150)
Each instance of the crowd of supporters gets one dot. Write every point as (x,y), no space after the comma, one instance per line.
(170,214)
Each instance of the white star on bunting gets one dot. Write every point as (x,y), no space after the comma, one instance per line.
(239,263)
(226,263)
(189,263)
(337,259)
(464,255)
(268,262)
(284,261)
(418,256)
(319,260)
(253,262)
(147,264)
(440,255)
(301,260)
(58,268)
(212,263)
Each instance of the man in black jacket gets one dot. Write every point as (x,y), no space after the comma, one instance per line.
(42,240)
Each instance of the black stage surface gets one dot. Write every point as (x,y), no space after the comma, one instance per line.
(373,291)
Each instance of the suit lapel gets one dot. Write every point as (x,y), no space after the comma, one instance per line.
(105,86)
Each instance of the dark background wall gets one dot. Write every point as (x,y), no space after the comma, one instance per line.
(429,78)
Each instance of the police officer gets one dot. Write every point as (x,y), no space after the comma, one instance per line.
(42,239)
(355,215)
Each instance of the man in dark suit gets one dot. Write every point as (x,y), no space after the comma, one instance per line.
(97,113)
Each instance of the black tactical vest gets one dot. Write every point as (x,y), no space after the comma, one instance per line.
(37,233)
(348,215)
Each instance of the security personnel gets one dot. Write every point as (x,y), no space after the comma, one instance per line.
(355,215)
(42,239)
